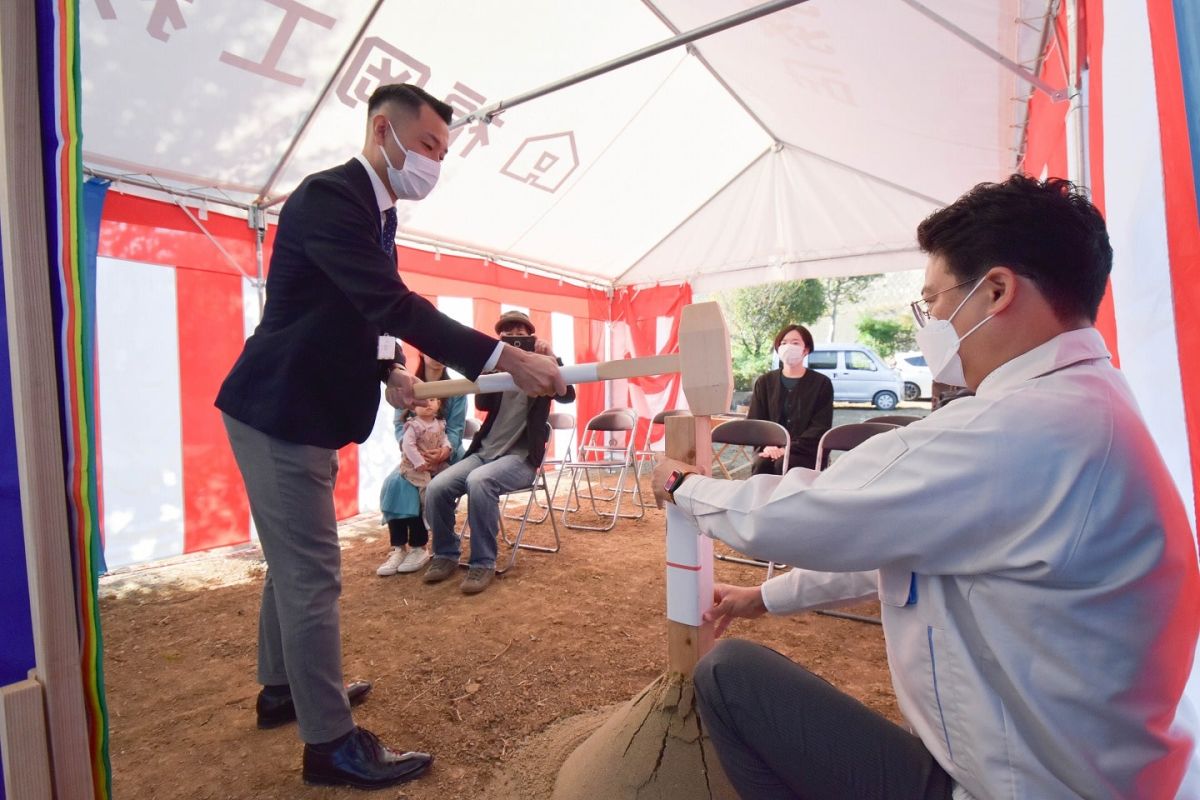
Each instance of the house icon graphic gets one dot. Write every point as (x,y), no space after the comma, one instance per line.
(544,161)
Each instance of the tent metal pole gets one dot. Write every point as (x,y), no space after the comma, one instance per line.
(258,221)
(130,180)
(1077,164)
(486,113)
(1057,95)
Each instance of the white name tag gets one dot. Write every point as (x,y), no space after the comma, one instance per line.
(387,348)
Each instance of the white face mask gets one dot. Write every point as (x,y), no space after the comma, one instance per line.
(416,179)
(791,354)
(939,344)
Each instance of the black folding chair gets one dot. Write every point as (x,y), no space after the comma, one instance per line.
(841,439)
(753,433)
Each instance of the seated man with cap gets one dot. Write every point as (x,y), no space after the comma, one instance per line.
(503,457)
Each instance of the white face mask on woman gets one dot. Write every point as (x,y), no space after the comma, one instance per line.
(939,344)
(416,179)
(791,354)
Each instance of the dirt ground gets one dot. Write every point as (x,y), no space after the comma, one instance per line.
(500,686)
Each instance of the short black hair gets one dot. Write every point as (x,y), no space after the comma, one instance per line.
(1047,231)
(408,97)
(803,331)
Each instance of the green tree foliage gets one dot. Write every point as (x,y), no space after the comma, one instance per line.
(845,291)
(756,313)
(888,336)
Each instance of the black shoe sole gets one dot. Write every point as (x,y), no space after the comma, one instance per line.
(311,780)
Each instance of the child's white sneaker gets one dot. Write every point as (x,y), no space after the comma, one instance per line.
(417,557)
(393,562)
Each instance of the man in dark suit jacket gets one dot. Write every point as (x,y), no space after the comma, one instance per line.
(503,457)
(307,382)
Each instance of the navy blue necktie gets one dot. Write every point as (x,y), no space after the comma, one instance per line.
(388,240)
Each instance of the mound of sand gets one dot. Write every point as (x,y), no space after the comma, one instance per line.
(651,748)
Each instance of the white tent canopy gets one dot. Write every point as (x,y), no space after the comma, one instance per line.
(806,143)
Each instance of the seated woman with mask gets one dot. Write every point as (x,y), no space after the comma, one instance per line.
(798,398)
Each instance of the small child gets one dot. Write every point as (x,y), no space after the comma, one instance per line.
(424,429)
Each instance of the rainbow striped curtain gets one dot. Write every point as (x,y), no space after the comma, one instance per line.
(73,300)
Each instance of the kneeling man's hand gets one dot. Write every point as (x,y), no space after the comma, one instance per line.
(731,602)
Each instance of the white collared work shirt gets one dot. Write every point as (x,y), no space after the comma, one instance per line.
(1036,569)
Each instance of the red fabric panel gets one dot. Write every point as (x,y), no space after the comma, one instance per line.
(486,314)
(1183,234)
(215,509)
(635,315)
(345,491)
(1093,23)
(138,229)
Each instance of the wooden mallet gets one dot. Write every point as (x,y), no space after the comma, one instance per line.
(702,361)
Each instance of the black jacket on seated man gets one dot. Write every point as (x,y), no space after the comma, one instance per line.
(536,433)
(310,373)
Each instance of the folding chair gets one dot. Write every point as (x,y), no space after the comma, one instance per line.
(840,439)
(539,483)
(753,433)
(607,458)
(847,437)
(895,419)
(558,421)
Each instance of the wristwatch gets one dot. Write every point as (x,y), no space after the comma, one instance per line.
(674,481)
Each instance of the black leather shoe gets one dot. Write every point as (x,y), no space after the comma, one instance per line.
(276,711)
(364,762)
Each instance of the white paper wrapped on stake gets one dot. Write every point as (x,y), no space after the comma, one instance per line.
(689,569)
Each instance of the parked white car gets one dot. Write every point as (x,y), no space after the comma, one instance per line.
(918,380)
(859,375)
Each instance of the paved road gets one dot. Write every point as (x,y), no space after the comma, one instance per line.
(844,413)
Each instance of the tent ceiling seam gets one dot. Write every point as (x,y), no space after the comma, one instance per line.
(286,158)
(694,49)
(793,261)
(868,175)
(694,212)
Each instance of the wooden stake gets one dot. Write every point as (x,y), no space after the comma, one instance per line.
(35,401)
(689,439)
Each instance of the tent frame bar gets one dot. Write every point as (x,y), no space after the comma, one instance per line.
(1055,95)
(487,113)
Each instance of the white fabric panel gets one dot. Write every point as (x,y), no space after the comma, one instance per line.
(562,335)
(796,216)
(1141,278)
(138,381)
(250,310)
(377,456)
(460,309)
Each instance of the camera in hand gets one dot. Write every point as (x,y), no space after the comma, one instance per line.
(524,342)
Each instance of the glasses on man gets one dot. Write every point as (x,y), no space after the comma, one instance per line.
(920,308)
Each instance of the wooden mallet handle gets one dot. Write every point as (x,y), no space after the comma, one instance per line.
(579,373)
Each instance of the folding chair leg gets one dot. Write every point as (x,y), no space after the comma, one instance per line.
(517,544)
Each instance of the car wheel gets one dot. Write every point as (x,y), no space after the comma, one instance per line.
(911,391)
(885,401)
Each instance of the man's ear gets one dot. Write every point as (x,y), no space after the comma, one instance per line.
(1000,287)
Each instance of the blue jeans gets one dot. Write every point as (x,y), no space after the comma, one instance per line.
(483,483)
